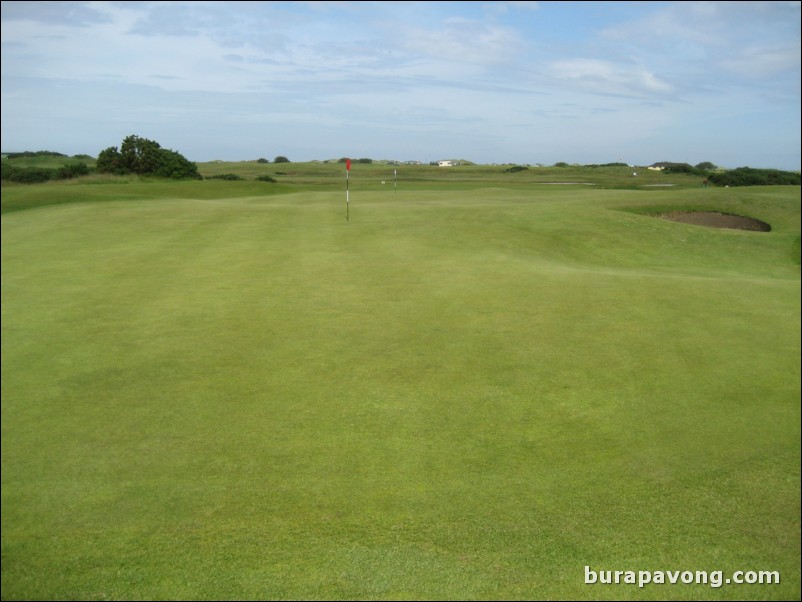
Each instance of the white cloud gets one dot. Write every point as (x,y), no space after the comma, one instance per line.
(607,77)
(707,31)
(464,40)
(761,62)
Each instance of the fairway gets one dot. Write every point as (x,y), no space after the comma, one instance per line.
(466,391)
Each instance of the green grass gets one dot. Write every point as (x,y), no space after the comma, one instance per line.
(324,176)
(471,390)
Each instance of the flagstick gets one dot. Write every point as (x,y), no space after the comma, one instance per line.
(347,177)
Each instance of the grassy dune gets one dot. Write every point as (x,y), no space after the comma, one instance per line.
(471,390)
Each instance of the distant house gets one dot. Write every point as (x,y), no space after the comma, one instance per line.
(445,163)
(656,167)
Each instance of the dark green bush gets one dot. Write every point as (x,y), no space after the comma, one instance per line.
(673,168)
(30,175)
(225,176)
(749,176)
(72,170)
(35,175)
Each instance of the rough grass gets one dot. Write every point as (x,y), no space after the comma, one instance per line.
(465,393)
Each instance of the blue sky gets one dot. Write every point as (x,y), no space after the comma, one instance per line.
(491,82)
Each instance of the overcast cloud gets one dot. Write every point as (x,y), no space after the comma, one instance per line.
(495,82)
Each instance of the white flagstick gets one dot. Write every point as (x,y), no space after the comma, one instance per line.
(395,180)
(347,174)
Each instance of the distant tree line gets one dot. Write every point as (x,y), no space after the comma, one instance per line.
(141,156)
(363,160)
(41,153)
(741,176)
(749,176)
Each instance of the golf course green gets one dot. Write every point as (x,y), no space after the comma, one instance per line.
(482,385)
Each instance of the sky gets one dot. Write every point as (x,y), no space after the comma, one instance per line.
(489,82)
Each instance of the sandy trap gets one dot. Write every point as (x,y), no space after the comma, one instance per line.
(714,219)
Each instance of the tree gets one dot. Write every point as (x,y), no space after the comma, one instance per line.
(109,161)
(140,155)
(146,157)
(281,159)
(706,166)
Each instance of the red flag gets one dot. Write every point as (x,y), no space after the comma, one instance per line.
(348,164)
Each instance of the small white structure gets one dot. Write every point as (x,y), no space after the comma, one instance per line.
(653,168)
(445,163)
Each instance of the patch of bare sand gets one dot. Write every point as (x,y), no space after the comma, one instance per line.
(714,219)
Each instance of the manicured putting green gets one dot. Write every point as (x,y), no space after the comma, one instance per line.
(470,392)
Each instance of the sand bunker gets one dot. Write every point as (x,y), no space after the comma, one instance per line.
(714,219)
